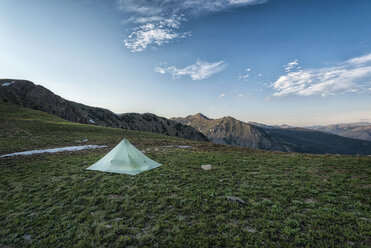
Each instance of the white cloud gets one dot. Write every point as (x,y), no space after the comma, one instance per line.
(242,2)
(221,95)
(291,65)
(189,7)
(353,75)
(198,71)
(240,95)
(160,70)
(248,69)
(152,17)
(243,77)
(157,33)
(259,75)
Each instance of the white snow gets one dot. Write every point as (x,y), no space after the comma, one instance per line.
(91,121)
(170,146)
(53,150)
(7,84)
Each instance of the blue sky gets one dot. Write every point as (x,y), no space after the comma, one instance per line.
(269,61)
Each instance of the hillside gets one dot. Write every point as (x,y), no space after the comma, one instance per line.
(27,94)
(228,130)
(359,130)
(288,200)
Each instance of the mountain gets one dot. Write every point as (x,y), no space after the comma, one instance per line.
(228,130)
(311,141)
(27,94)
(358,130)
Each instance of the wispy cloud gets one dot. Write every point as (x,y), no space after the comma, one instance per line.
(198,71)
(291,65)
(159,21)
(245,75)
(353,75)
(158,33)
(221,95)
(240,95)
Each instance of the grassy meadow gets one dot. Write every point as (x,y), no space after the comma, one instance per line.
(290,200)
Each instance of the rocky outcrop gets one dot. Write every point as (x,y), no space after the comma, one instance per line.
(228,130)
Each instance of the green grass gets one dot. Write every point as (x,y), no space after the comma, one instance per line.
(291,200)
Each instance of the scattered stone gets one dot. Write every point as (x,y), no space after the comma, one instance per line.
(351,243)
(27,237)
(118,219)
(237,199)
(115,196)
(310,200)
(156,149)
(250,229)
(108,226)
(84,140)
(206,167)
(363,218)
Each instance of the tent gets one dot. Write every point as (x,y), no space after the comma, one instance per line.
(125,159)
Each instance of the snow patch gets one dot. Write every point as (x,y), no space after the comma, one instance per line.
(170,146)
(91,121)
(7,84)
(53,150)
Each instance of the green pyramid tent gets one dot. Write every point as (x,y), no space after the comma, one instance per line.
(125,159)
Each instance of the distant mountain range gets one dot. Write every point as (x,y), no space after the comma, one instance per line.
(357,130)
(27,94)
(228,130)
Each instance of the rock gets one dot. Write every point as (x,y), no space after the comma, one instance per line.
(237,199)
(250,229)
(108,226)
(27,237)
(206,167)
(118,219)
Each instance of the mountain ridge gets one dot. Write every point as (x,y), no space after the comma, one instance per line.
(278,137)
(355,130)
(230,131)
(27,94)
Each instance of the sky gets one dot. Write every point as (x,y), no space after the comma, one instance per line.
(269,61)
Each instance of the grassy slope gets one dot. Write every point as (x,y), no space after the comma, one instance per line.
(291,199)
